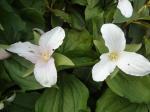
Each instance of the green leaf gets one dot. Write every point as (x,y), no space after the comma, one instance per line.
(77,20)
(92,3)
(39,5)
(137,32)
(11,21)
(133,47)
(24,102)
(80,2)
(147,46)
(62,60)
(94,17)
(136,89)
(18,68)
(84,61)
(36,37)
(33,17)
(5,80)
(77,43)
(71,96)
(100,46)
(110,102)
(63,15)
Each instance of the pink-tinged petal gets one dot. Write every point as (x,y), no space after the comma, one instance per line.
(25,49)
(46,73)
(102,69)
(125,7)
(134,64)
(114,37)
(3,54)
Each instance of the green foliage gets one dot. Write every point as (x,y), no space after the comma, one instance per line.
(71,96)
(110,102)
(136,89)
(18,68)
(81,49)
(24,102)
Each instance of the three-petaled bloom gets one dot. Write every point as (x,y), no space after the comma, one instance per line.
(45,71)
(129,62)
(125,7)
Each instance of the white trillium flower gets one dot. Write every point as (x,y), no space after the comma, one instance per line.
(3,54)
(125,7)
(129,62)
(45,71)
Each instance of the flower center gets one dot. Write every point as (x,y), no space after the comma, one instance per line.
(113,56)
(45,56)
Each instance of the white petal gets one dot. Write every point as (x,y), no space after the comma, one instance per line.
(134,64)
(45,73)
(103,68)
(53,38)
(3,54)
(114,37)
(11,98)
(125,8)
(25,49)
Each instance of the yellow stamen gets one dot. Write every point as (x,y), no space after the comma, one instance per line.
(113,56)
(46,56)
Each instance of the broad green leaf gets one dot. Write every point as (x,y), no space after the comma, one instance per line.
(56,21)
(33,17)
(133,47)
(18,69)
(93,12)
(63,15)
(39,5)
(11,21)
(62,60)
(77,20)
(92,3)
(71,96)
(94,17)
(136,89)
(136,32)
(77,42)
(100,46)
(84,61)
(110,102)
(80,2)
(5,80)
(24,102)
(3,46)
(36,37)
(138,4)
